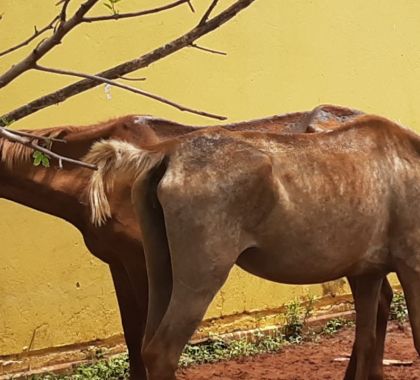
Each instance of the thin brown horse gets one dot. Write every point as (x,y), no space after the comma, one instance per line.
(62,193)
(297,208)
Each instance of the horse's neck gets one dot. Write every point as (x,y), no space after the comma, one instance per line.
(55,194)
(61,193)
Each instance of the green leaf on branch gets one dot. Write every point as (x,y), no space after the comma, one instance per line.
(41,159)
(45,162)
(110,4)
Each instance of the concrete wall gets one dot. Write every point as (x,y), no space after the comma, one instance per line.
(283,56)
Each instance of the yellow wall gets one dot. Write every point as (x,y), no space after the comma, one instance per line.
(283,56)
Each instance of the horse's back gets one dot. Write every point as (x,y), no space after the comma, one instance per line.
(321,118)
(331,197)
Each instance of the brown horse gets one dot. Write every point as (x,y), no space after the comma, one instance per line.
(62,193)
(297,208)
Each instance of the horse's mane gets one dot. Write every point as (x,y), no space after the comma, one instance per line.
(13,154)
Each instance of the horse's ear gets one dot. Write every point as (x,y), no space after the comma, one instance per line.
(61,134)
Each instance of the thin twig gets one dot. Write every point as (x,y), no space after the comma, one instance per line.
(36,34)
(118,16)
(208,12)
(30,142)
(63,13)
(35,137)
(129,66)
(132,79)
(208,50)
(191,6)
(129,88)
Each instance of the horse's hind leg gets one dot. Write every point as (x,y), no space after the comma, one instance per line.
(366,293)
(376,365)
(199,269)
(156,251)
(384,308)
(409,276)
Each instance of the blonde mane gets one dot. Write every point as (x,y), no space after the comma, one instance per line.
(115,159)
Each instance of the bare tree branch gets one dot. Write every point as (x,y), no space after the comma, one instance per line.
(36,34)
(208,12)
(64,27)
(63,13)
(132,79)
(208,50)
(129,88)
(30,141)
(130,66)
(118,16)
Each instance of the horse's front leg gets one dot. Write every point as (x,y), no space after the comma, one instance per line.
(133,317)
(376,365)
(409,275)
(366,359)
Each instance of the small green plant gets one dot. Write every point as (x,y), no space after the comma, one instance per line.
(336,324)
(294,324)
(399,310)
(271,343)
(297,315)
(111,5)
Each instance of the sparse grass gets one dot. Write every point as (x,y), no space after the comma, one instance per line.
(209,352)
(296,316)
(111,369)
(336,324)
(217,350)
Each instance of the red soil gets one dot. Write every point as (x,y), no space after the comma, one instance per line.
(311,361)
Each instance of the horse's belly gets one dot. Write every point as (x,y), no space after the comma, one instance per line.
(288,270)
(309,267)
(300,253)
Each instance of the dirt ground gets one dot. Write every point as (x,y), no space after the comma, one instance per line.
(311,361)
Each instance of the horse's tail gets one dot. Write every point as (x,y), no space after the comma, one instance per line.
(116,160)
(142,170)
